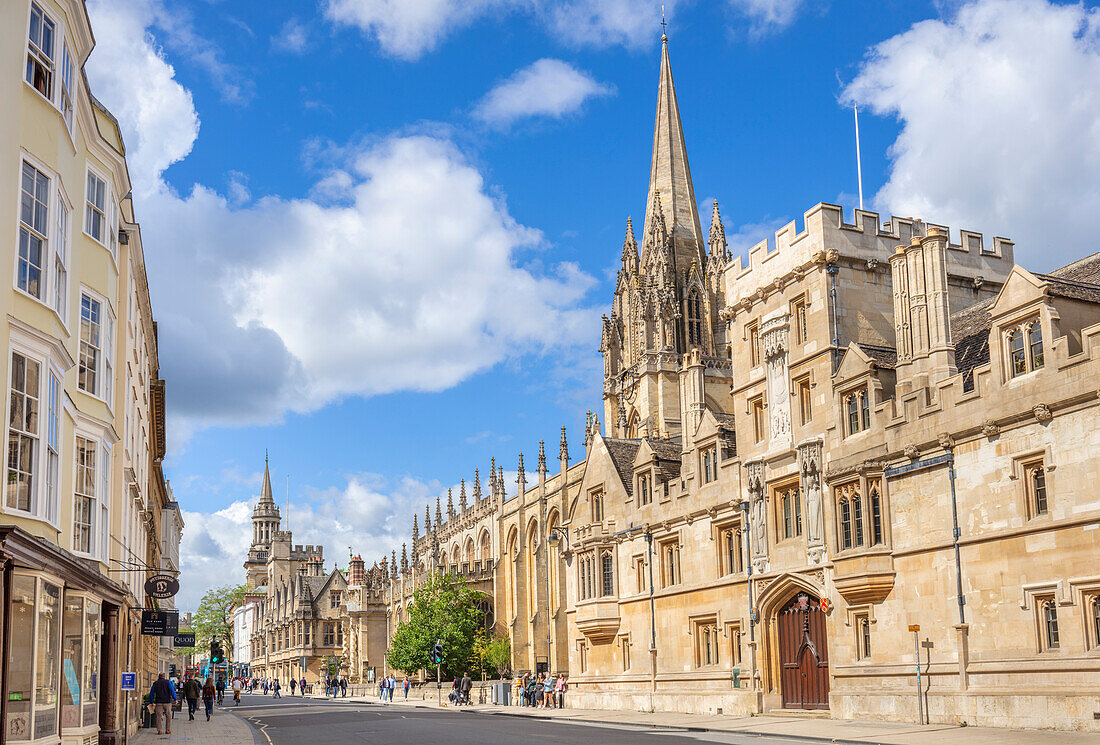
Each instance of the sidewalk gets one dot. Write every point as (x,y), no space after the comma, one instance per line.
(223,728)
(856,732)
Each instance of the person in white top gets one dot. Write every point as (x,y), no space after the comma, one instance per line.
(237,686)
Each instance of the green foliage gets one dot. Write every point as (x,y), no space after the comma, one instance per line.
(444,608)
(214,618)
(492,657)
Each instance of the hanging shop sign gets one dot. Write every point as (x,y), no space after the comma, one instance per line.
(185,639)
(162,586)
(160,622)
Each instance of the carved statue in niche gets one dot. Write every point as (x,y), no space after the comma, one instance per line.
(757,510)
(774,343)
(811,487)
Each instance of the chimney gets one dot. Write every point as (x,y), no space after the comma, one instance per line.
(357,571)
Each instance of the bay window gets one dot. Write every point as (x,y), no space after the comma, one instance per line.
(34,201)
(23,434)
(40,44)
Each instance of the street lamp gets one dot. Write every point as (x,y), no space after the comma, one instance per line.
(556,535)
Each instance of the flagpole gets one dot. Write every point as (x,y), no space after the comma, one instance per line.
(859,164)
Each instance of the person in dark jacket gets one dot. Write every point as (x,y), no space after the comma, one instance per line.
(208,694)
(192,691)
(466,684)
(162,695)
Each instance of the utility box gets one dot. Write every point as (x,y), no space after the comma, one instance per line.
(501,694)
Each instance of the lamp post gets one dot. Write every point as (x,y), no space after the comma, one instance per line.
(556,535)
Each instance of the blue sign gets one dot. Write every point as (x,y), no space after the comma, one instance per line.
(129,681)
(917,465)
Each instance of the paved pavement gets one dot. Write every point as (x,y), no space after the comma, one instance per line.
(316,721)
(224,728)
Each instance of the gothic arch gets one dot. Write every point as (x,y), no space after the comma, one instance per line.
(485,546)
(456,555)
(469,550)
(510,588)
(771,600)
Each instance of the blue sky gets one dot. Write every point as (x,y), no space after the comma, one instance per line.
(380,233)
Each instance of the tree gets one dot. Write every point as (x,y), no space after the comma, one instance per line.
(492,655)
(444,608)
(214,618)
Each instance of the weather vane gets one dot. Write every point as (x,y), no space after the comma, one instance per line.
(664,23)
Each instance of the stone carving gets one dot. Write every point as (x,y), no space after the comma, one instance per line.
(990,429)
(978,282)
(757,509)
(872,265)
(832,256)
(809,453)
(773,342)
(819,257)
(945,440)
(1042,413)
(912,452)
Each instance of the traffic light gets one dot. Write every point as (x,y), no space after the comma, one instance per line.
(217,654)
(437,653)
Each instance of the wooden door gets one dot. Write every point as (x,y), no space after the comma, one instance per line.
(803,654)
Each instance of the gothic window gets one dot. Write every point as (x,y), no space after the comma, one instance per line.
(670,563)
(1048,618)
(729,548)
(733,633)
(790,501)
(597,506)
(798,314)
(330,635)
(607,574)
(706,643)
(857,406)
(632,427)
(757,406)
(875,494)
(625,647)
(694,319)
(849,505)
(805,401)
(334,597)
(710,465)
(752,333)
(863,636)
(1094,619)
(640,583)
(645,489)
(1025,348)
(1036,477)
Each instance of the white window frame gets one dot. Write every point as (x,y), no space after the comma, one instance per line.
(33,49)
(90,205)
(105,362)
(62,249)
(43,235)
(66,98)
(34,502)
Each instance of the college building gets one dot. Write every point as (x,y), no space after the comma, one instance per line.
(865,441)
(86,513)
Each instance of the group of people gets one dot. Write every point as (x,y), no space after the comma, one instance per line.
(333,686)
(386,686)
(162,695)
(460,691)
(543,692)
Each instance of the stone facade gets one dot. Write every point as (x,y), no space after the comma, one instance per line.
(867,439)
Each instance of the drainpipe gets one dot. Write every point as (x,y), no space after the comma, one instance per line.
(748,567)
(955,534)
(652,621)
(832,271)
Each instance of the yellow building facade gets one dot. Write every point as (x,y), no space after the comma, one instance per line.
(84,495)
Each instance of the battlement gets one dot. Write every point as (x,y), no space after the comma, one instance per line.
(970,254)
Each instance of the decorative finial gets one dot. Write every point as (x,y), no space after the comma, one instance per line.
(477,486)
(563,448)
(664,25)
(450,505)
(542,456)
(265,456)
(462,496)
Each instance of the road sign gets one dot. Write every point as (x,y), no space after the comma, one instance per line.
(129,681)
(162,586)
(917,465)
(160,622)
(184,639)
(914,628)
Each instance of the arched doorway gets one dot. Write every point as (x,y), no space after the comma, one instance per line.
(803,654)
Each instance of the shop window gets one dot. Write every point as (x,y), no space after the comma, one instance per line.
(34,659)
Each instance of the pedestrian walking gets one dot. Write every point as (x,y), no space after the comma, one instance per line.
(219,686)
(405,685)
(208,693)
(162,695)
(466,685)
(293,685)
(302,685)
(275,687)
(344,687)
(192,691)
(237,686)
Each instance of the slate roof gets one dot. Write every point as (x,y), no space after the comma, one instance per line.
(1077,281)
(622,453)
(882,356)
(970,332)
(668,458)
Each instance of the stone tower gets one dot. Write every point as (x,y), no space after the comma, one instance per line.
(665,303)
(265,523)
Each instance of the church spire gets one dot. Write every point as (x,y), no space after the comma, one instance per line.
(669,172)
(265,490)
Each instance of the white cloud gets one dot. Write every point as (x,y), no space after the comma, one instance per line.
(370,514)
(401,271)
(292,37)
(410,28)
(767,16)
(999,115)
(548,87)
